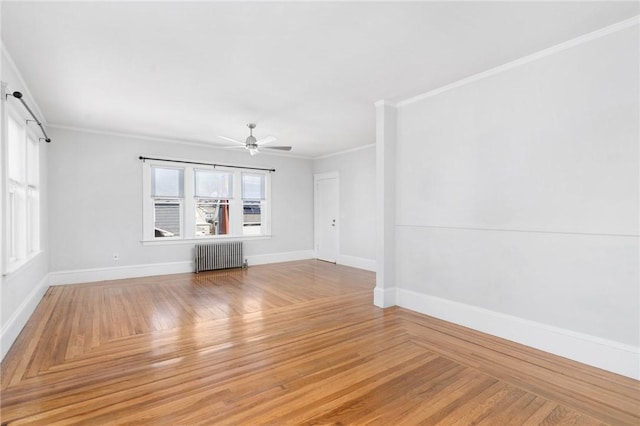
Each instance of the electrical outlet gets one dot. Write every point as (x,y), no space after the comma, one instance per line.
(116,256)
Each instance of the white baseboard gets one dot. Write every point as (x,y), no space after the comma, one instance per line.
(14,325)
(384,297)
(601,353)
(262,259)
(118,272)
(357,262)
(148,270)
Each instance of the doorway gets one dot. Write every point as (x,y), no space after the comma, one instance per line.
(326,225)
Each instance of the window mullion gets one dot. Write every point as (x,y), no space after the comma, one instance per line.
(27,207)
(147,204)
(189,204)
(266,206)
(235,208)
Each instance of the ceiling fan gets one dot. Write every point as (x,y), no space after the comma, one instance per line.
(252,144)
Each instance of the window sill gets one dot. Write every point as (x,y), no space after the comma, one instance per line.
(18,265)
(178,241)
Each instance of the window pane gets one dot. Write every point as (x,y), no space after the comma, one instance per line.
(252,186)
(33,159)
(252,218)
(167,182)
(34,220)
(212,217)
(16,150)
(214,184)
(166,215)
(17,222)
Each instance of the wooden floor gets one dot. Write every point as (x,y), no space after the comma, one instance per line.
(290,343)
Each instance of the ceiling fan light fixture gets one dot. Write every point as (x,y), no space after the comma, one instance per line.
(252,144)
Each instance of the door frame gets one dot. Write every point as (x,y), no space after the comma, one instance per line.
(317,177)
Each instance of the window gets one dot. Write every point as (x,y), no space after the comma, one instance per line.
(167,193)
(213,190)
(23,192)
(185,202)
(253,196)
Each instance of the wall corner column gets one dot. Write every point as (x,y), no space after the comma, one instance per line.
(384,294)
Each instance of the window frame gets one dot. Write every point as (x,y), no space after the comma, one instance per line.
(21,247)
(253,201)
(167,199)
(189,204)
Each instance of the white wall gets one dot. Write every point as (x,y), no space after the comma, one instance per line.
(21,291)
(357,176)
(96,206)
(517,201)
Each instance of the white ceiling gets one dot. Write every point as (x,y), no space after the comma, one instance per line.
(307,73)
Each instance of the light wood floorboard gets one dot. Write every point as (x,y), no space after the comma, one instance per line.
(290,343)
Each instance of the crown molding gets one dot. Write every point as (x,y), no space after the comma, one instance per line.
(346,151)
(627,23)
(200,144)
(24,89)
(385,102)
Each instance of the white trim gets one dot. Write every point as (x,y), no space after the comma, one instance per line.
(316,178)
(522,61)
(592,350)
(385,102)
(326,175)
(346,151)
(384,297)
(521,230)
(16,266)
(357,262)
(24,89)
(202,144)
(203,240)
(14,325)
(148,270)
(4,164)
(289,256)
(119,272)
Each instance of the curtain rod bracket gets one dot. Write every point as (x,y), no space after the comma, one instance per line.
(18,96)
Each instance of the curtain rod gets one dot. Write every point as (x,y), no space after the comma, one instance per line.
(18,96)
(206,164)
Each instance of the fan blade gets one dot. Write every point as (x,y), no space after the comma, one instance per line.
(281,148)
(234,147)
(230,140)
(254,151)
(266,140)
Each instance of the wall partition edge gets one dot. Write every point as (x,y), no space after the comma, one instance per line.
(605,353)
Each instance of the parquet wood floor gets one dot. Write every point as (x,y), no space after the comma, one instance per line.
(290,343)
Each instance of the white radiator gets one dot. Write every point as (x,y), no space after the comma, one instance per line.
(218,256)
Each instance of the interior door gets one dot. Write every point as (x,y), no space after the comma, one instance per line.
(326,217)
